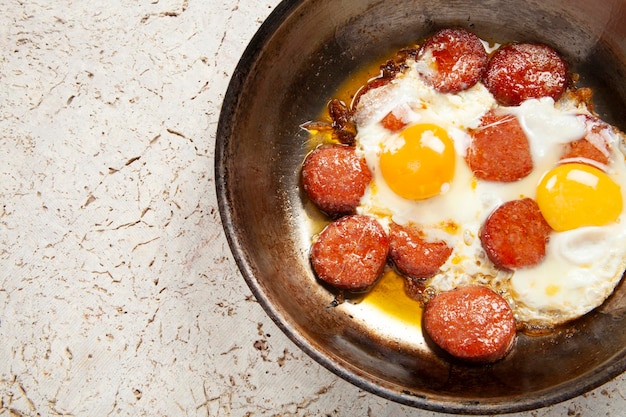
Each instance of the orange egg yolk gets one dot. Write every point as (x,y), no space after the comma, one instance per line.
(576,195)
(422,164)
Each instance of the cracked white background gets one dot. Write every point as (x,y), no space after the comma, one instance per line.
(118,293)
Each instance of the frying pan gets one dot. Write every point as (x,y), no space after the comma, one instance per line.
(288,73)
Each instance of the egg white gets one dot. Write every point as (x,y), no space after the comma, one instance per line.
(582,266)
(560,288)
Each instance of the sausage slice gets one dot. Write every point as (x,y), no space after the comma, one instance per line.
(521,71)
(471,323)
(515,234)
(392,122)
(499,150)
(351,252)
(593,146)
(452,60)
(413,255)
(335,178)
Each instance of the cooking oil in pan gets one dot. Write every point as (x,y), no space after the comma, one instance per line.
(390,297)
(389,312)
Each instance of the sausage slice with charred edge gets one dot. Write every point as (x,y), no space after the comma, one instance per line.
(471,323)
(350,253)
(335,178)
(452,60)
(499,150)
(413,255)
(520,71)
(515,234)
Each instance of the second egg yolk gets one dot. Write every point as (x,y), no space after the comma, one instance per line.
(576,195)
(422,166)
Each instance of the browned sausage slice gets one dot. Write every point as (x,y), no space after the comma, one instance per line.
(593,146)
(471,323)
(521,71)
(392,122)
(515,234)
(499,150)
(452,60)
(335,178)
(413,255)
(583,149)
(351,252)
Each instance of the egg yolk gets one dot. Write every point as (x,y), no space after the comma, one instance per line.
(576,195)
(423,165)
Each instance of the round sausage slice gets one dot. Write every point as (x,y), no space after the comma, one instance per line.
(413,255)
(335,178)
(499,150)
(471,323)
(521,71)
(515,234)
(351,252)
(452,60)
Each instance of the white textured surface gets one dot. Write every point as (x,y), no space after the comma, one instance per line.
(118,293)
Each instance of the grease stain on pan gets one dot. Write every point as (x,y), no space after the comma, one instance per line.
(389,314)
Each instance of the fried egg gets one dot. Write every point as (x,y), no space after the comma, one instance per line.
(420,176)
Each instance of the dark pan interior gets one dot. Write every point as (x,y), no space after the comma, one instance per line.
(287,75)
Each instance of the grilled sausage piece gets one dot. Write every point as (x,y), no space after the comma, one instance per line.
(452,60)
(515,234)
(471,323)
(413,255)
(350,253)
(521,71)
(499,150)
(593,147)
(335,178)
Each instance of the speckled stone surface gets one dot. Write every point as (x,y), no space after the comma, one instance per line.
(118,292)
